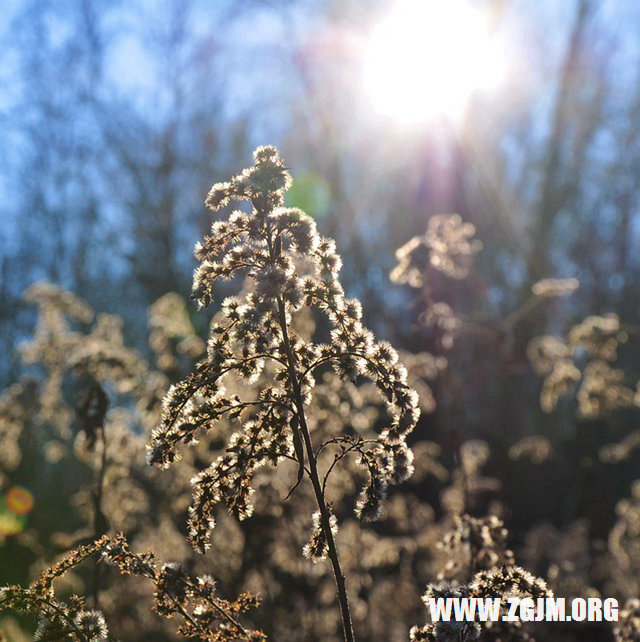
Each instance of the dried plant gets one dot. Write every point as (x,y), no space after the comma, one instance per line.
(205,616)
(584,361)
(291,267)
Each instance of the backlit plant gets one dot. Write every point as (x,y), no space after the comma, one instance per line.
(291,267)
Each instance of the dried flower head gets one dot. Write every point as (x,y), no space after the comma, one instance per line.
(316,548)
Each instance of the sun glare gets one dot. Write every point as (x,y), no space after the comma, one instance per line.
(427,57)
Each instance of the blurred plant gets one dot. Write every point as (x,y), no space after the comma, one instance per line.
(584,360)
(627,629)
(447,247)
(567,559)
(535,448)
(624,544)
(171,334)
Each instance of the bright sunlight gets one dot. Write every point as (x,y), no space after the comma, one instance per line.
(427,57)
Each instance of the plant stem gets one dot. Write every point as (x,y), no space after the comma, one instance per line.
(315,480)
(275,248)
(98,518)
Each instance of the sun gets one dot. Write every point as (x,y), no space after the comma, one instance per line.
(427,57)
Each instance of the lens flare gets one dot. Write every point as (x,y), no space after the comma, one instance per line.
(20,500)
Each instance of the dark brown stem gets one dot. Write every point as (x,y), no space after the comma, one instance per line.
(341,587)
(315,480)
